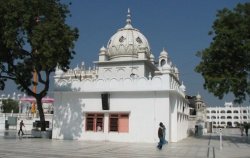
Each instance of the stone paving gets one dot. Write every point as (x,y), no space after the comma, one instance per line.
(208,146)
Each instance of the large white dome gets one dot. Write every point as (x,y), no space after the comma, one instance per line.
(127,42)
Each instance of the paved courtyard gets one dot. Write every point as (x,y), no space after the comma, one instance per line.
(208,146)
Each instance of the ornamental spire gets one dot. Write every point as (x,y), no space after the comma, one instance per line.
(128,21)
(128,17)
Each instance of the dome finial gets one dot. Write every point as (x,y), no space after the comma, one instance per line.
(164,52)
(128,21)
(128,17)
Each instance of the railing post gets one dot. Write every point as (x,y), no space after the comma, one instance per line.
(220,139)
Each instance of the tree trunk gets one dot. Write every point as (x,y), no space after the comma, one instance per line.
(41,113)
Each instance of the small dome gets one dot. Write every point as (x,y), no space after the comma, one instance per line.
(182,87)
(127,42)
(164,52)
(58,71)
(198,96)
(103,49)
(176,69)
(77,68)
(152,56)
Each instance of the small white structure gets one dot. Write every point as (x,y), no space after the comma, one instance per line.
(197,118)
(123,98)
(229,115)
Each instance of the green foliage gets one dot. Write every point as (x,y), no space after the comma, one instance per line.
(225,64)
(9,105)
(34,38)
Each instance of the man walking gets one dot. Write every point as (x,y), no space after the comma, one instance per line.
(160,136)
(21,128)
(246,129)
(164,134)
(241,129)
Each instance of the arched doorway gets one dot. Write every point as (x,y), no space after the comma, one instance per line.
(229,124)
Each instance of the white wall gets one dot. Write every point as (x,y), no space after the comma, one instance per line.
(146,110)
(68,116)
(121,70)
(146,100)
(179,120)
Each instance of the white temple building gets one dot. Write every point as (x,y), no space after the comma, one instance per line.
(124,97)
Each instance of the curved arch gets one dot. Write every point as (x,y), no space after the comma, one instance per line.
(100,83)
(87,84)
(142,82)
(114,83)
(163,62)
(222,111)
(121,73)
(157,82)
(236,111)
(236,123)
(229,123)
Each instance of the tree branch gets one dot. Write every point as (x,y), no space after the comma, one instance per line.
(8,77)
(40,77)
(46,88)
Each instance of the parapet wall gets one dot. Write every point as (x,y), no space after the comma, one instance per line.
(157,83)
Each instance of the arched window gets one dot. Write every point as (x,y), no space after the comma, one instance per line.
(222,117)
(213,111)
(244,117)
(229,124)
(222,111)
(163,62)
(223,123)
(208,111)
(236,123)
(236,117)
(213,117)
(208,117)
(236,111)
(229,117)
(214,122)
(244,111)
(229,111)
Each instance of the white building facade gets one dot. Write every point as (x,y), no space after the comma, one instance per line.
(124,97)
(229,115)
